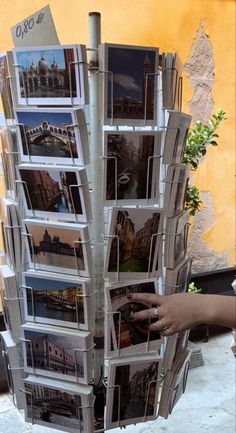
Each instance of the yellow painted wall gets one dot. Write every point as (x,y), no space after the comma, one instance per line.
(171,25)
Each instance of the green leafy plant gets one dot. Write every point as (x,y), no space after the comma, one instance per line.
(199,137)
(192,288)
(192,199)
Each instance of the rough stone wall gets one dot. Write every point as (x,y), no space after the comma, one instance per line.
(204,257)
(200,69)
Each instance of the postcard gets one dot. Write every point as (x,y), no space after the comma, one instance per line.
(58,300)
(59,405)
(9,160)
(59,247)
(52,135)
(55,192)
(169,352)
(132,164)
(57,352)
(175,345)
(175,137)
(177,279)
(124,337)
(130,88)
(176,236)
(132,390)
(7,85)
(10,297)
(180,186)
(175,190)
(174,383)
(171,67)
(51,75)
(134,243)
(11,230)
(13,367)
(182,343)
(168,187)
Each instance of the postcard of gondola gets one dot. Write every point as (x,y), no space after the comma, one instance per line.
(132,165)
(134,243)
(51,75)
(58,247)
(123,335)
(57,352)
(58,300)
(52,135)
(130,84)
(59,192)
(58,404)
(132,390)
(177,279)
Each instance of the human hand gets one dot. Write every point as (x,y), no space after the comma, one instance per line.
(174,313)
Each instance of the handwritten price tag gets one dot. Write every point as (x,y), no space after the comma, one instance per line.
(35,30)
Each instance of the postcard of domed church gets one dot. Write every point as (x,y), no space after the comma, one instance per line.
(53,75)
(58,247)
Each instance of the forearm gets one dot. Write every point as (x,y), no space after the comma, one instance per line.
(218,309)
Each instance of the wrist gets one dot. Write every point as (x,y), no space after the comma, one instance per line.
(204,312)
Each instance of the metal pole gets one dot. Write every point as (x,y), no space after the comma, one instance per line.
(96,176)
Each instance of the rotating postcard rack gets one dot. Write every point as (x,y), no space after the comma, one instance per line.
(137,240)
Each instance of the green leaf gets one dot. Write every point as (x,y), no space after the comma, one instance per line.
(199,137)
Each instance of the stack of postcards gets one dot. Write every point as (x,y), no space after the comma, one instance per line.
(171,68)
(45,218)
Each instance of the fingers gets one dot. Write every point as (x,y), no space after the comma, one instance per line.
(162,327)
(147,314)
(148,298)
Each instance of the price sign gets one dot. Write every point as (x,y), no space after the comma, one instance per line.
(35,30)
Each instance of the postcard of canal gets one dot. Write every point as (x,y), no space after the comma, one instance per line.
(132,166)
(58,404)
(134,243)
(55,192)
(56,136)
(57,300)
(136,380)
